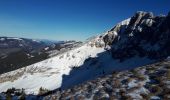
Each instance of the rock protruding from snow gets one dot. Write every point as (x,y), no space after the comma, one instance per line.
(96,41)
(113,33)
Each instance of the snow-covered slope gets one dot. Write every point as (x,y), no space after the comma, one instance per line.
(141,83)
(48,73)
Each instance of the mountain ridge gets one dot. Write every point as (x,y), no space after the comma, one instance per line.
(143,29)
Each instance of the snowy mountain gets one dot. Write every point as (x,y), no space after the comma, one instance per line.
(137,41)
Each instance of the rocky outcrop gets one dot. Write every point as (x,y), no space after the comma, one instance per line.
(112,35)
(142,35)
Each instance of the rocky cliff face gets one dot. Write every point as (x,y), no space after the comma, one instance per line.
(141,35)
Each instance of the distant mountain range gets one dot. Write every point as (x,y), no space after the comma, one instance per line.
(19,52)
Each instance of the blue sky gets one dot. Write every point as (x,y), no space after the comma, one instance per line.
(69,19)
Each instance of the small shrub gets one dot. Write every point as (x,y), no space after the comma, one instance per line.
(156,90)
(126,97)
(42,91)
(113,97)
(141,77)
(95,97)
(114,73)
(168,74)
(8,96)
(122,93)
(116,83)
(145,96)
(72,98)
(80,97)
(12,90)
(134,71)
(166,97)
(150,68)
(22,96)
(167,66)
(134,88)
(166,92)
